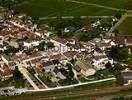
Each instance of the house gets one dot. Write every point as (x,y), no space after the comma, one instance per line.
(38,70)
(100,61)
(86,69)
(30,44)
(70,54)
(77,68)
(8,61)
(5,73)
(120,40)
(107,39)
(48,66)
(128,41)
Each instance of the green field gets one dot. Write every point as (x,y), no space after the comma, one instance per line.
(126,27)
(122,4)
(41,8)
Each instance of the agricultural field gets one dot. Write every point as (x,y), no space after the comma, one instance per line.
(42,8)
(122,4)
(126,27)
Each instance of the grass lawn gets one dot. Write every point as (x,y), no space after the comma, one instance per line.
(96,85)
(123,4)
(41,8)
(105,73)
(126,27)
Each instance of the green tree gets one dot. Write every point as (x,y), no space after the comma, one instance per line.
(119,78)
(18,78)
(50,45)
(11,49)
(41,46)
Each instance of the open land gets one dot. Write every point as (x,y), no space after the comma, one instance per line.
(41,8)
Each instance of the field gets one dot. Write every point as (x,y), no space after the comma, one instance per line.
(122,4)
(66,93)
(56,93)
(126,27)
(41,8)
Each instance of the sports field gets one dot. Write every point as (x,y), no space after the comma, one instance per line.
(43,8)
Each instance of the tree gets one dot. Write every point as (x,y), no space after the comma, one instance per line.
(17,74)
(50,45)
(109,66)
(119,78)
(118,14)
(118,53)
(41,46)
(10,49)
(18,78)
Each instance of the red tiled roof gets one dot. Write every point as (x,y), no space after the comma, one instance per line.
(63,41)
(108,37)
(48,63)
(58,56)
(120,40)
(34,61)
(129,40)
(38,70)
(6,72)
(70,53)
(71,45)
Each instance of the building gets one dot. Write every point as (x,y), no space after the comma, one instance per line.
(8,61)
(86,69)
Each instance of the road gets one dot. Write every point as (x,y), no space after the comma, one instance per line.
(119,23)
(97,5)
(71,17)
(71,86)
(71,94)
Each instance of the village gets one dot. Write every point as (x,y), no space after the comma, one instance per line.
(30,59)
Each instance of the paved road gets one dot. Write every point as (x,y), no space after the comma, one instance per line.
(119,22)
(71,17)
(97,5)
